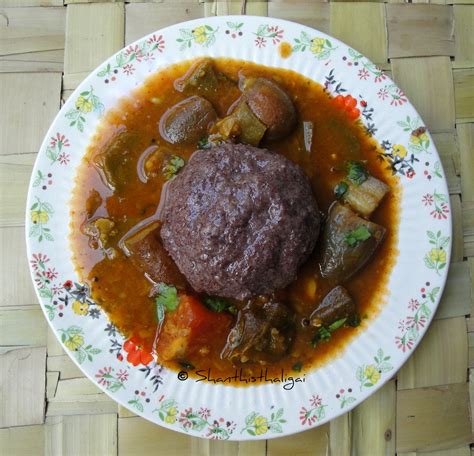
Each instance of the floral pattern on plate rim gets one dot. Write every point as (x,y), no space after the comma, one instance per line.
(120,366)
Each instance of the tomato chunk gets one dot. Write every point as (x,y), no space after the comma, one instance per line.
(187,329)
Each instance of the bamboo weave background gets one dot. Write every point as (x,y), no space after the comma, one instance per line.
(46,404)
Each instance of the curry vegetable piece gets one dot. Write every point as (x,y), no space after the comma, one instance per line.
(187,121)
(342,256)
(166,301)
(271,105)
(336,306)
(200,79)
(364,198)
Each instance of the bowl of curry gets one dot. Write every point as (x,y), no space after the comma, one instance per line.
(238,228)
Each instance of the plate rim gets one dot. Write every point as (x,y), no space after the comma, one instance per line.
(50,132)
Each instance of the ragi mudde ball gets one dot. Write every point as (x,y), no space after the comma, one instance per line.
(239,221)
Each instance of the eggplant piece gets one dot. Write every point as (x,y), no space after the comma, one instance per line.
(146,252)
(251,129)
(271,105)
(200,79)
(187,121)
(366,197)
(114,163)
(336,305)
(263,332)
(241,124)
(348,243)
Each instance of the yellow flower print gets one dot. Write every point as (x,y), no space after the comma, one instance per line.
(261,425)
(74,342)
(80,308)
(83,104)
(170,417)
(419,139)
(317,45)
(372,374)
(39,216)
(399,150)
(199,33)
(437,256)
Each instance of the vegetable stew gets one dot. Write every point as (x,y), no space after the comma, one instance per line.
(137,157)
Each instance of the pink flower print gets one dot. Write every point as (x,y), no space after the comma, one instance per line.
(440,212)
(382,94)
(398,98)
(51,274)
(148,57)
(307,417)
(416,323)
(276,34)
(128,69)
(38,261)
(122,375)
(183,418)
(56,289)
(316,400)
(59,140)
(380,77)
(403,343)
(363,74)
(402,325)
(260,42)
(41,279)
(63,158)
(134,51)
(102,374)
(427,200)
(158,41)
(413,304)
(205,413)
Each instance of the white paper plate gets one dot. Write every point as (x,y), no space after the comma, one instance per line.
(267,410)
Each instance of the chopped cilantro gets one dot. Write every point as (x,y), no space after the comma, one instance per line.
(341,189)
(353,321)
(166,301)
(337,324)
(297,366)
(186,365)
(172,167)
(322,335)
(216,304)
(203,143)
(361,233)
(357,172)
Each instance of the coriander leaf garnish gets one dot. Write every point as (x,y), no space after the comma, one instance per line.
(337,324)
(216,304)
(203,143)
(166,301)
(353,321)
(341,189)
(172,167)
(357,172)
(323,334)
(361,233)
(297,366)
